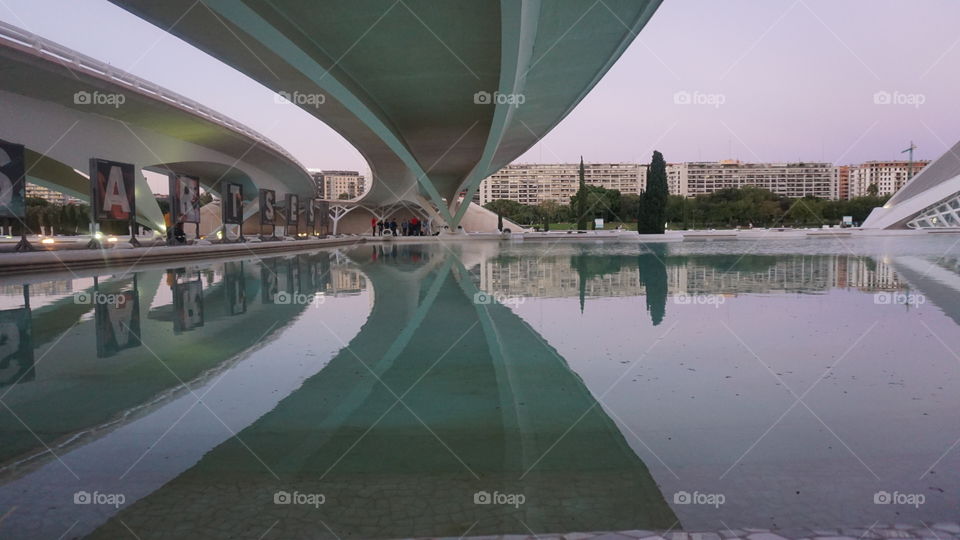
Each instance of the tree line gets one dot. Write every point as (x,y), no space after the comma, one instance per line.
(726,208)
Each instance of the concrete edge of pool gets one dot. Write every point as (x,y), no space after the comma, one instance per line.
(18,264)
(943,530)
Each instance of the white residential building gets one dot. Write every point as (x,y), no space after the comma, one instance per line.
(536,183)
(889,176)
(334,185)
(786,179)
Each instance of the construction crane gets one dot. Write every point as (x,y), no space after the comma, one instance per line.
(910,163)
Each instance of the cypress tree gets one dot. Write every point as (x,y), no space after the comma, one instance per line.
(653,201)
(582,200)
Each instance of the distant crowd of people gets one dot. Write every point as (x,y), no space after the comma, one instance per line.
(407,227)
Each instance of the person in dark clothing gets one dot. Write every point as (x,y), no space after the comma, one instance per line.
(393,227)
(380,228)
(178,234)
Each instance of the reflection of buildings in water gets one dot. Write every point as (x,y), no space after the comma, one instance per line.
(345,281)
(867,274)
(778,276)
(42,288)
(553,277)
(557,277)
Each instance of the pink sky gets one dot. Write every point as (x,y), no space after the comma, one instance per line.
(780,80)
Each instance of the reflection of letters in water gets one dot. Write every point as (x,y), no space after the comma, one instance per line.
(9,340)
(117,322)
(15,346)
(121,318)
(188,303)
(234,283)
(238,303)
(270,287)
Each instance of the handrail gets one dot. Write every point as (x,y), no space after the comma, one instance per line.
(91,66)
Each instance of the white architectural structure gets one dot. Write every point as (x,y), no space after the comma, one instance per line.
(931,199)
(66,108)
(473,86)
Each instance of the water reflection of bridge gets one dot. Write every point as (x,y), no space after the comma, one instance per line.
(494,415)
(437,399)
(107,367)
(486,402)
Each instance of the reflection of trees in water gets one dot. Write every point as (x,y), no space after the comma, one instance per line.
(653,277)
(590,266)
(588,271)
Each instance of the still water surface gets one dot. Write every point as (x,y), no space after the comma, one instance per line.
(486,388)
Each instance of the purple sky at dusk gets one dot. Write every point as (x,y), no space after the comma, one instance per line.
(785,80)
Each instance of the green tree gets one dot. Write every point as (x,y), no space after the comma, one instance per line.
(873,190)
(550,212)
(579,201)
(653,202)
(629,206)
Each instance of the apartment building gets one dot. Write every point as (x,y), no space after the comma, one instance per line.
(52,196)
(537,183)
(786,179)
(334,185)
(888,176)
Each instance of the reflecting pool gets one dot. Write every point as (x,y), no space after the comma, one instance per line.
(482,388)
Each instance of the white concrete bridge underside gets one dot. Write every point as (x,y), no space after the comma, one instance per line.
(153,128)
(401,80)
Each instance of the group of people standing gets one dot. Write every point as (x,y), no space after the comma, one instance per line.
(407,227)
